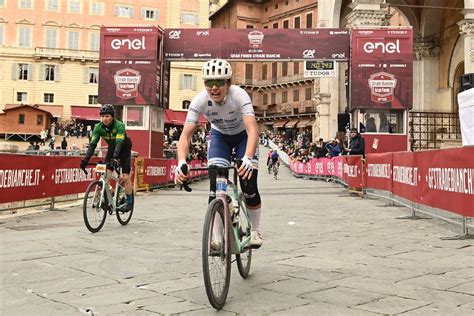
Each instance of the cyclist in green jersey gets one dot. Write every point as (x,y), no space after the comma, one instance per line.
(119,148)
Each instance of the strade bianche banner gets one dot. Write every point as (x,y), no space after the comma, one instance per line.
(262,44)
(26,177)
(381,68)
(378,171)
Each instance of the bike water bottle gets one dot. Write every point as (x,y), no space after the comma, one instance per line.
(221,185)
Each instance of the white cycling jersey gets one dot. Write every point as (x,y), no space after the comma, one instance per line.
(225,118)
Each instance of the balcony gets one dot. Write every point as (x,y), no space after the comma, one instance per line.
(62,54)
(272,82)
(298,108)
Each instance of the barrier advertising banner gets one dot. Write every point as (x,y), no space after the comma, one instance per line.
(155,171)
(381,68)
(251,44)
(353,172)
(129,69)
(24,177)
(447,179)
(378,171)
(405,176)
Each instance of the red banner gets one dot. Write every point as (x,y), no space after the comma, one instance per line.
(446,179)
(378,171)
(155,171)
(261,44)
(25,177)
(405,176)
(382,69)
(353,171)
(130,72)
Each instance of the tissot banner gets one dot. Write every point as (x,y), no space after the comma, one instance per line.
(129,70)
(381,68)
(242,44)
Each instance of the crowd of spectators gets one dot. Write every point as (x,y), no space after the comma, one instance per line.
(298,146)
(198,150)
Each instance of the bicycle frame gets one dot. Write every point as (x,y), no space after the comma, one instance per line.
(105,187)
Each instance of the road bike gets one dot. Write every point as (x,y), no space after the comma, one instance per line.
(100,198)
(226,231)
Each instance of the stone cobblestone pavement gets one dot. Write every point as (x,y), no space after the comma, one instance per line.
(325,253)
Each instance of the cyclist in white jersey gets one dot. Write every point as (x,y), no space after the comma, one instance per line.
(233,126)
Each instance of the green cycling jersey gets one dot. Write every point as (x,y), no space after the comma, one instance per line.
(112,135)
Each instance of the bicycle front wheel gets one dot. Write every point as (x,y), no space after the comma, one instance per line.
(93,213)
(244,259)
(120,199)
(216,255)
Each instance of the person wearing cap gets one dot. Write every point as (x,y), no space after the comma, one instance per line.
(356,143)
(119,150)
(233,126)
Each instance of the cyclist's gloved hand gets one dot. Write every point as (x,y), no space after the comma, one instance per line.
(84,163)
(179,176)
(246,168)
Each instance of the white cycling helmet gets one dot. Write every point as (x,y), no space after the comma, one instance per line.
(216,69)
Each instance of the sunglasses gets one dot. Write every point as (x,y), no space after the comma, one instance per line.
(214,82)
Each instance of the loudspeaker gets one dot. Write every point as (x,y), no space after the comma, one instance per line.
(467,81)
(342,121)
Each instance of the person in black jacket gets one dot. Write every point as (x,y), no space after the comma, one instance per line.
(356,143)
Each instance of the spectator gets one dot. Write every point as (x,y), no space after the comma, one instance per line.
(334,148)
(384,126)
(370,124)
(43,137)
(356,143)
(64,144)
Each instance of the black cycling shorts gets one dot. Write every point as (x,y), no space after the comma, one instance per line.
(125,155)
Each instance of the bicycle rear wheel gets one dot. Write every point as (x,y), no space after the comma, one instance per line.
(216,260)
(123,217)
(244,259)
(93,213)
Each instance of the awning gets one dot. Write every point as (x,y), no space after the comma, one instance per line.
(88,113)
(291,123)
(279,124)
(305,122)
(55,110)
(179,117)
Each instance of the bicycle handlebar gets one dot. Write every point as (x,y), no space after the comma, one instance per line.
(184,169)
(100,162)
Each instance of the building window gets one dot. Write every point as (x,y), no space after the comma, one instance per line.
(275,25)
(284,97)
(297,22)
(185,104)
(2,3)
(308,94)
(48,98)
(264,71)
(249,26)
(273,98)
(24,37)
(309,20)
(51,38)
(97,8)
(49,72)
(26,4)
(23,70)
(39,119)
(52,5)
(74,6)
(286,24)
(191,18)
(93,99)
(135,116)
(92,75)
(188,82)
(94,41)
(265,99)
(73,40)
(150,14)
(276,6)
(296,95)
(21,96)
(21,118)
(296,68)
(284,69)
(124,11)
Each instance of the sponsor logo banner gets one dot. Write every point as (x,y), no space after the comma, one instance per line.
(245,44)
(382,69)
(378,171)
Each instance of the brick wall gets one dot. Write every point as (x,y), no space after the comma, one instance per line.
(9,121)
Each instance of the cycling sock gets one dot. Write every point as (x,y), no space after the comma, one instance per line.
(255,218)
(129,198)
